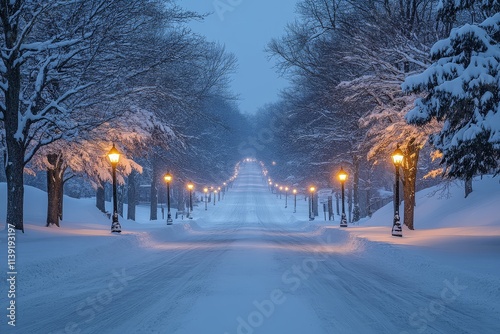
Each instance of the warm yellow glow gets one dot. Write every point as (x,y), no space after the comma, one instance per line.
(397,157)
(286,188)
(312,189)
(205,190)
(281,187)
(342,175)
(190,186)
(294,191)
(218,189)
(114,155)
(167,177)
(275,184)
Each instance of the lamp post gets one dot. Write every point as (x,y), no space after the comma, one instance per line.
(168,178)
(218,192)
(294,200)
(281,190)
(311,211)
(205,190)
(397,158)
(215,194)
(190,187)
(114,157)
(343,177)
(286,197)
(276,188)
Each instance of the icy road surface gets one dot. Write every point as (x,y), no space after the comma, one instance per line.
(246,265)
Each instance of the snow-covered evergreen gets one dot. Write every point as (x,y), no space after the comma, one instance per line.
(462,90)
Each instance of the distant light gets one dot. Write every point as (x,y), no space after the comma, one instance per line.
(312,189)
(167,177)
(342,175)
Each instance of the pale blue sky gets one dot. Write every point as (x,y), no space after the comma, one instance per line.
(245,27)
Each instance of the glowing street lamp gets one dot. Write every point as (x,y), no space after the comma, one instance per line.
(294,200)
(205,190)
(218,193)
(215,194)
(311,211)
(286,197)
(168,178)
(114,158)
(397,158)
(190,187)
(343,177)
(281,190)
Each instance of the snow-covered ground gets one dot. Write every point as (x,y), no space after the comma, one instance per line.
(250,265)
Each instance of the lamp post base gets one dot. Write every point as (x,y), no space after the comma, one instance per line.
(115,225)
(343,221)
(397,231)
(169,220)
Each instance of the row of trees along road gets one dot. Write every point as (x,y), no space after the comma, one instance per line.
(78,75)
(356,92)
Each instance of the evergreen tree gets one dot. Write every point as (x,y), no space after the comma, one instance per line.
(462,90)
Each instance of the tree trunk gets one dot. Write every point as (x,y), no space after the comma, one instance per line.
(14,164)
(99,198)
(132,195)
(181,203)
(349,204)
(337,203)
(15,184)
(409,185)
(468,187)
(154,191)
(61,191)
(355,189)
(369,197)
(121,197)
(54,189)
(315,205)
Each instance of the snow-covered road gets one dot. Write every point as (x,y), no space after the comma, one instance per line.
(247,265)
